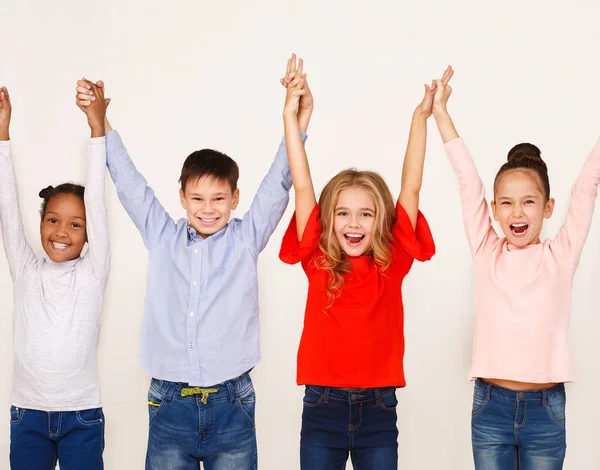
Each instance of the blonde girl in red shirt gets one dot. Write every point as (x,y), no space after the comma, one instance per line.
(355,246)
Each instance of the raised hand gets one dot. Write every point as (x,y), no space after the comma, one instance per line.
(295,87)
(5,113)
(306,100)
(96,110)
(84,95)
(442,91)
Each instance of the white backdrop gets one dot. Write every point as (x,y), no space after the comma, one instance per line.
(185,75)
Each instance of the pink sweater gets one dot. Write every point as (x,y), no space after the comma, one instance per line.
(523,296)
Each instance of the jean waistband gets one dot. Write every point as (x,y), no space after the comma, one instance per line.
(353,395)
(229,390)
(491,390)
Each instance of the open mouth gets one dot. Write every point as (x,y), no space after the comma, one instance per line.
(59,246)
(208,221)
(354,239)
(519,230)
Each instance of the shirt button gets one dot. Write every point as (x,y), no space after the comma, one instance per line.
(195,283)
(196,251)
(191,346)
(191,314)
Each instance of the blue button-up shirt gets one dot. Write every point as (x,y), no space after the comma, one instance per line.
(201,311)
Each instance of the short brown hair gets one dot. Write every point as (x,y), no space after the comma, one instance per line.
(208,162)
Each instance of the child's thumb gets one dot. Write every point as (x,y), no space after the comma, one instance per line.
(107,101)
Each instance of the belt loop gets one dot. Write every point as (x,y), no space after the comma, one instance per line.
(326,391)
(231,390)
(170,392)
(488,391)
(545,397)
(378,398)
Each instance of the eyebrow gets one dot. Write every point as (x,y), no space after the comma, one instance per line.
(362,209)
(529,196)
(72,216)
(213,195)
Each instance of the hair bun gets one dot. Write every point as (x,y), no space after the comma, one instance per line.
(525,152)
(47,191)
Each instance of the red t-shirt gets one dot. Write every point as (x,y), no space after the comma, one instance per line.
(358,342)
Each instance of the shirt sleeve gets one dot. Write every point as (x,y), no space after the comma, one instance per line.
(418,242)
(475,212)
(571,237)
(270,201)
(294,250)
(138,199)
(95,208)
(19,253)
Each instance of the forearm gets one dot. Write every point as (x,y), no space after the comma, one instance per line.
(304,115)
(305,199)
(445,125)
(4,134)
(412,170)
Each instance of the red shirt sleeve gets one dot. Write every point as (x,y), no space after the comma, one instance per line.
(293,250)
(418,242)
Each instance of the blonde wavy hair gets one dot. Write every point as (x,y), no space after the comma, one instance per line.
(334,260)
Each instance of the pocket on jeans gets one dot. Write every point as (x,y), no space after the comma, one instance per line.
(556,406)
(388,400)
(16,414)
(480,400)
(90,417)
(155,403)
(312,397)
(246,402)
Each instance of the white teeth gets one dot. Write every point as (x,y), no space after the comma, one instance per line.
(353,235)
(60,246)
(519,225)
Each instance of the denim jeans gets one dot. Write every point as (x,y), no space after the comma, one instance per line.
(213,425)
(518,430)
(340,422)
(38,439)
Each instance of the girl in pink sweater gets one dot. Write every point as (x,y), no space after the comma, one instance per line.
(521,355)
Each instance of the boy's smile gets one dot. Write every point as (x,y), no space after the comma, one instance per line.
(208,202)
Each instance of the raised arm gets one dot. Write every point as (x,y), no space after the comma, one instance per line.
(98,254)
(138,199)
(305,198)
(18,251)
(572,235)
(412,169)
(273,195)
(476,215)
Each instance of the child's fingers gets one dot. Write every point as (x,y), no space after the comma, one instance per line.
(288,67)
(298,92)
(83,87)
(84,83)
(84,98)
(293,65)
(300,66)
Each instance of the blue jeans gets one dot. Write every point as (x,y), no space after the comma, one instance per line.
(38,439)
(337,422)
(518,430)
(213,425)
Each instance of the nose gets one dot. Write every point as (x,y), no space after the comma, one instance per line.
(517,210)
(354,222)
(207,206)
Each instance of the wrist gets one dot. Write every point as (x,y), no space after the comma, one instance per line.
(290,113)
(420,113)
(98,130)
(440,111)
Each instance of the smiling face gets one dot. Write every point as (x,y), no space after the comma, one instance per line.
(208,202)
(520,207)
(62,228)
(354,220)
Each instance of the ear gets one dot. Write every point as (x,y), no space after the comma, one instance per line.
(549,208)
(235,199)
(182,199)
(493,204)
